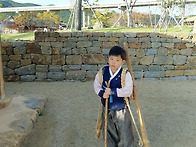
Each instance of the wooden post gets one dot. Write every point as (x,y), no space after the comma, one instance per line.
(2,93)
(78,15)
(136,98)
(4,101)
(106,117)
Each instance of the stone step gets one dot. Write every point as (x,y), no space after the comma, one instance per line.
(18,118)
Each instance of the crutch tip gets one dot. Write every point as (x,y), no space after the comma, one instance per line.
(141,143)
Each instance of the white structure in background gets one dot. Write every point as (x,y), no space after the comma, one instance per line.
(93,6)
(85,7)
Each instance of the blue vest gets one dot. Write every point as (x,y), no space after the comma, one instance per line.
(115,102)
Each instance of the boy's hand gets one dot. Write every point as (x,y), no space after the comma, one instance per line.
(107,93)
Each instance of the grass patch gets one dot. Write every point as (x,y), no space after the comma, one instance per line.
(18,36)
(30,35)
(144,29)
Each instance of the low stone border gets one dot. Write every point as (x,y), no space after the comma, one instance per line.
(18,118)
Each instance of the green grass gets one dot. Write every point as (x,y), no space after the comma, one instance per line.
(144,29)
(19,36)
(30,35)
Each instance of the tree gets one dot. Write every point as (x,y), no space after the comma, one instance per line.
(103,16)
(129,10)
(27,19)
(139,18)
(1,17)
(48,18)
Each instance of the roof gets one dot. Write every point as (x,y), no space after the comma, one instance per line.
(191,19)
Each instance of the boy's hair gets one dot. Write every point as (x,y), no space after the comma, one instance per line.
(116,51)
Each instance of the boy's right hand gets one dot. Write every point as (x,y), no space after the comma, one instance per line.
(107,93)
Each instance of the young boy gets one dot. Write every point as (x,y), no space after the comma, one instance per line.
(119,128)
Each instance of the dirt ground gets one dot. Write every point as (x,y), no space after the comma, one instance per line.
(69,117)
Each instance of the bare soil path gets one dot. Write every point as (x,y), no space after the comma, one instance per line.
(69,117)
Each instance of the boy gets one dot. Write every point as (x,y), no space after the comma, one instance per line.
(119,129)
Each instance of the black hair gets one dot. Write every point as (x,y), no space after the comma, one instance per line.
(116,51)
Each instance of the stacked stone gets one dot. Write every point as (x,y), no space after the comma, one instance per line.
(59,56)
(157,55)
(52,57)
(16,62)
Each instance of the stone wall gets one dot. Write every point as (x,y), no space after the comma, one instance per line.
(55,56)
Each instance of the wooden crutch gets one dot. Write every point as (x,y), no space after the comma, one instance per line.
(137,104)
(106,117)
(99,122)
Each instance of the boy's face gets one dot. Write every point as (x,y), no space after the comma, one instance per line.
(115,62)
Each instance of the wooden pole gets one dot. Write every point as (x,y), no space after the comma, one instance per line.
(106,116)
(78,15)
(98,129)
(106,120)
(137,103)
(2,92)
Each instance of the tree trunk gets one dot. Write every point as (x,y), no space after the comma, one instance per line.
(78,15)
